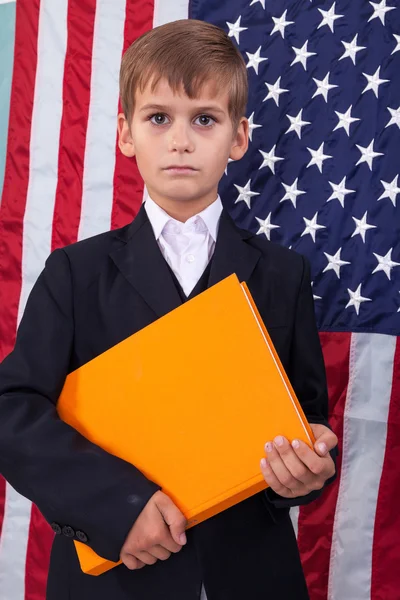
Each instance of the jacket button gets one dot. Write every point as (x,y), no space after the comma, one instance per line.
(68,531)
(56,528)
(82,537)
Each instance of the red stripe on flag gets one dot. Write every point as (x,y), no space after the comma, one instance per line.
(16,175)
(38,556)
(76,100)
(128,183)
(316,520)
(386,549)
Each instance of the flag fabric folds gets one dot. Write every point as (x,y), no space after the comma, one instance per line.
(321,176)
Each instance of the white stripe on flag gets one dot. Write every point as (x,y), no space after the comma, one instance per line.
(165,12)
(364,441)
(13,545)
(44,145)
(99,163)
(294,515)
(43,168)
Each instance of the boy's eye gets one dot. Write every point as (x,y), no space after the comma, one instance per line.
(162,119)
(205,120)
(158,119)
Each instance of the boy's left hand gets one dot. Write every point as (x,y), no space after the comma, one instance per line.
(296,470)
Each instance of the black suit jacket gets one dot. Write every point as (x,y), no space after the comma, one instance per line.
(90,296)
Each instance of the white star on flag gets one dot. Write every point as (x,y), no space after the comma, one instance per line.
(269,159)
(339,191)
(380,10)
(255,60)
(229,161)
(235,29)
(297,123)
(385,263)
(274,91)
(395,120)
(398,43)
(329,17)
(391,190)
(323,87)
(292,192)
(335,263)
(318,157)
(252,126)
(301,55)
(312,226)
(281,24)
(345,120)
(356,299)
(362,227)
(367,154)
(262,2)
(266,226)
(245,193)
(351,49)
(374,82)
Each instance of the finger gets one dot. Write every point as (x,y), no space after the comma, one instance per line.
(272,480)
(276,456)
(323,467)
(131,562)
(295,467)
(325,439)
(169,543)
(146,557)
(159,552)
(173,517)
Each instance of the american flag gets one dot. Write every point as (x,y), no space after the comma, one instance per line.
(321,176)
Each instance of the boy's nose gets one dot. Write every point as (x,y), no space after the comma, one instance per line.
(180,140)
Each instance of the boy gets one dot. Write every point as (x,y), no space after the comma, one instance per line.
(184,93)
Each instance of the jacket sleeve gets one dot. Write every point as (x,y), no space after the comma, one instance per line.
(72,481)
(307,375)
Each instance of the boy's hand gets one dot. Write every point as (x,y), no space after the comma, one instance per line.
(296,470)
(158,531)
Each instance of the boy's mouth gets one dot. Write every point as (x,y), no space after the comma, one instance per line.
(180,169)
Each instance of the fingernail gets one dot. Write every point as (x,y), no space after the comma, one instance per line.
(296,444)
(268,447)
(322,448)
(263,463)
(182,539)
(279,440)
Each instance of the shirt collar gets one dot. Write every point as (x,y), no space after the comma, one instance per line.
(159,218)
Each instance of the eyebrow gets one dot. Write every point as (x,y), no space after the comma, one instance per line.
(162,108)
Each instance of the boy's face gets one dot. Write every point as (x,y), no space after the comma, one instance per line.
(182,145)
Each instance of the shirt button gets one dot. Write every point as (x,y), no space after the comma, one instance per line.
(190,258)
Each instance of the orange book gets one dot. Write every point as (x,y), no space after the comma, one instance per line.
(195,396)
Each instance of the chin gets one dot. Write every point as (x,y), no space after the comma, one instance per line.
(180,191)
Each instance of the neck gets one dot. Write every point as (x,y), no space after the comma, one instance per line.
(182,210)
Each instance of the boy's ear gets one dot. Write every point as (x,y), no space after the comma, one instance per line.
(125,141)
(240,141)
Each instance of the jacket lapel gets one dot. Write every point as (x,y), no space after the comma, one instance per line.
(141,262)
(232,253)
(143,265)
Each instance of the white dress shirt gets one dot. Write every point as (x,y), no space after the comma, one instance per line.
(187,247)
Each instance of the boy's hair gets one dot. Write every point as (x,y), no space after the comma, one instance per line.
(189,53)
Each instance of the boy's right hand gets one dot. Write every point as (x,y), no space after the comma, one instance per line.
(158,531)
